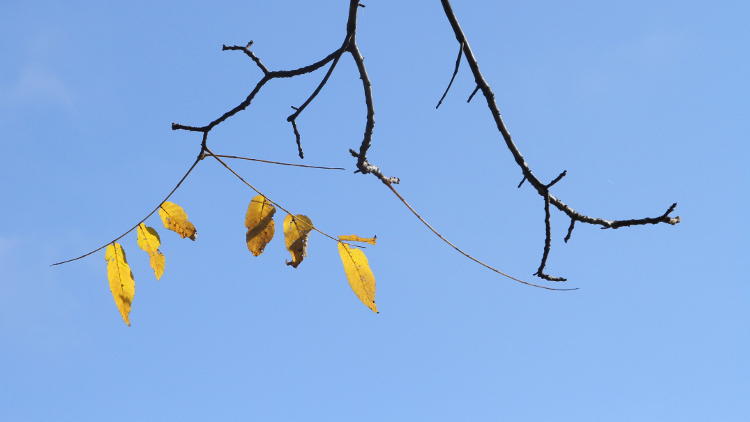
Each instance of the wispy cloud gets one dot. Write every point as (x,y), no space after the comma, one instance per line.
(33,77)
(39,85)
(6,246)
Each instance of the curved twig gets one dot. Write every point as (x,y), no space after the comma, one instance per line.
(174,189)
(461,251)
(292,118)
(528,175)
(453,76)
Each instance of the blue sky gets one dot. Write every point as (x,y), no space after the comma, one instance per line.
(644,103)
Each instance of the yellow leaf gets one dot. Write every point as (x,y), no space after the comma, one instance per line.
(121,281)
(259,223)
(359,274)
(148,238)
(296,229)
(158,261)
(149,241)
(176,219)
(355,238)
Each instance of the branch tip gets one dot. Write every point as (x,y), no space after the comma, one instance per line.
(453,76)
(570,230)
(557,179)
(473,93)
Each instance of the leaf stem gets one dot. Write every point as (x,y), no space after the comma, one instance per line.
(281,163)
(174,189)
(248,184)
(461,251)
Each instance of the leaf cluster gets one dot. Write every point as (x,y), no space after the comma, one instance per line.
(260,231)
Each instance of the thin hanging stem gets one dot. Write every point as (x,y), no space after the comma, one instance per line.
(216,157)
(459,250)
(174,189)
(281,163)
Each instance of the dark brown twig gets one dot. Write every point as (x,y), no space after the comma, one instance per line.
(557,179)
(298,139)
(370,118)
(547,245)
(570,230)
(267,76)
(292,118)
(246,49)
(365,167)
(540,187)
(473,93)
(453,76)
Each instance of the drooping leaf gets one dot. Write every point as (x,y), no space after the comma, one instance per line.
(149,241)
(296,229)
(355,238)
(358,272)
(121,281)
(259,223)
(176,219)
(148,238)
(157,262)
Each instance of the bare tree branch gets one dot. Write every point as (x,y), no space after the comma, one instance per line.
(297,110)
(364,165)
(528,175)
(246,50)
(547,245)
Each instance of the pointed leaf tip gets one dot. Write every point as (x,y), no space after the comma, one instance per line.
(158,261)
(176,219)
(296,229)
(358,273)
(149,241)
(121,282)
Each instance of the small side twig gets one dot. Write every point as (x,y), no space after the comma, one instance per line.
(570,230)
(557,179)
(298,139)
(292,118)
(453,76)
(547,245)
(473,93)
(246,49)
